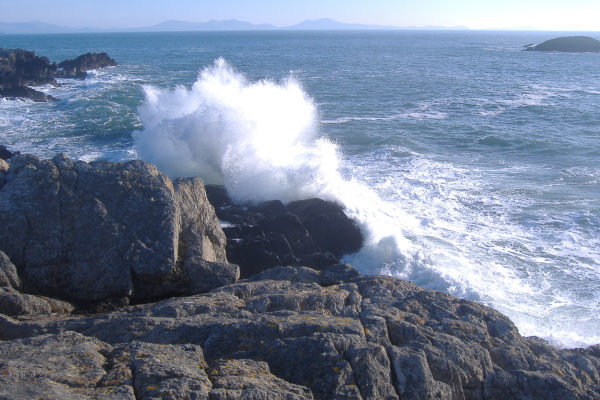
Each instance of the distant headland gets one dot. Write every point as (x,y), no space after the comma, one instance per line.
(568,44)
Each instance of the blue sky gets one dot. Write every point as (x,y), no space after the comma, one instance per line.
(476,14)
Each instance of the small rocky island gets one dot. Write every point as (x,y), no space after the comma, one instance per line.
(569,44)
(116,282)
(20,69)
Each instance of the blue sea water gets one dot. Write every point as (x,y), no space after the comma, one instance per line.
(472,166)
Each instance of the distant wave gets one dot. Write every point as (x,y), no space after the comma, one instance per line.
(419,113)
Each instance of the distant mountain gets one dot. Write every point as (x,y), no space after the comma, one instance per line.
(17,28)
(226,25)
(330,24)
(182,26)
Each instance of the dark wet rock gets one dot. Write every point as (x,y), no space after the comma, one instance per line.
(297,333)
(328,225)
(78,67)
(5,154)
(108,232)
(570,44)
(311,232)
(24,92)
(20,69)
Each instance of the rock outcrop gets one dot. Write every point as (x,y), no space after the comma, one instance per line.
(78,67)
(292,333)
(20,69)
(311,232)
(569,44)
(108,233)
(24,68)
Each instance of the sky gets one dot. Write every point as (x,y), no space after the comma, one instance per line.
(565,15)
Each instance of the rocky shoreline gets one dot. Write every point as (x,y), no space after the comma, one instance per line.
(117,283)
(20,69)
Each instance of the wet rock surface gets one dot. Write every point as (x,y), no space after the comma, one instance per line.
(310,232)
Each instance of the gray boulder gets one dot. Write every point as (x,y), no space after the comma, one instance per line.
(98,232)
(299,334)
(73,366)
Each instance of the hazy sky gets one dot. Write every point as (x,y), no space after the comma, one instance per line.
(475,14)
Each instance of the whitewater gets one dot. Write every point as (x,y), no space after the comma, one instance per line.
(472,171)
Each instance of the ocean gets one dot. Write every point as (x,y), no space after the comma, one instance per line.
(473,167)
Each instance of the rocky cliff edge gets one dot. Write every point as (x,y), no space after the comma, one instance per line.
(288,332)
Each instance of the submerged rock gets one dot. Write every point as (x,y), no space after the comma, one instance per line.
(294,333)
(570,44)
(92,233)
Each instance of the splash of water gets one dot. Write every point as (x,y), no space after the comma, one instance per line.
(259,139)
(425,223)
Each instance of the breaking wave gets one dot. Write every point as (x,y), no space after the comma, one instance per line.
(259,139)
(434,223)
